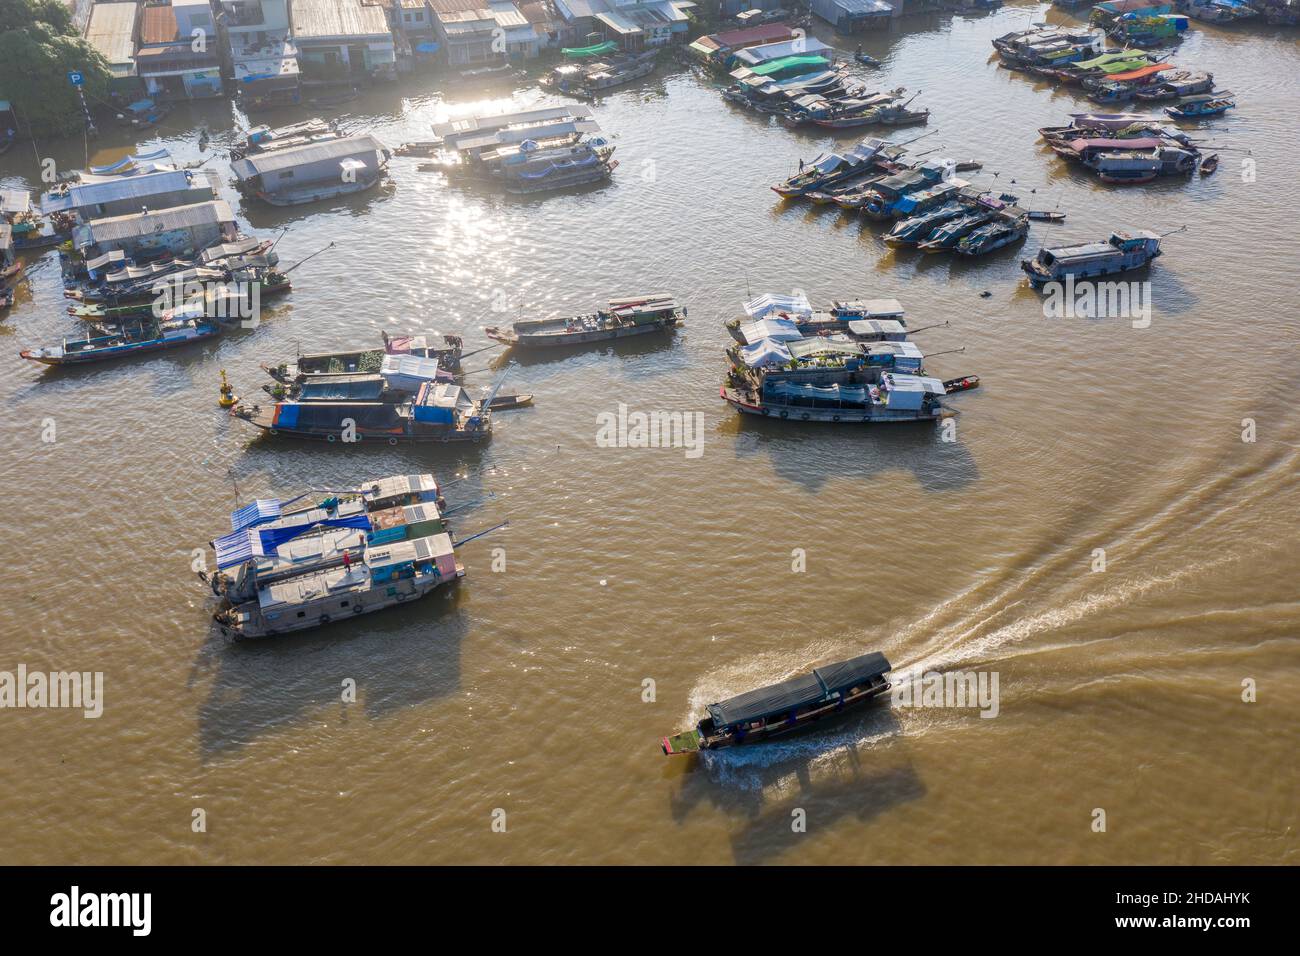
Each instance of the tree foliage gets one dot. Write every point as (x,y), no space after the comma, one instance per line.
(38,48)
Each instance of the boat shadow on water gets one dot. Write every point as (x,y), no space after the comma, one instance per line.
(263,216)
(265,450)
(812,454)
(402,657)
(852,768)
(563,359)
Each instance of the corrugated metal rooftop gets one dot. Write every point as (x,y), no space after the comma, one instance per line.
(319,19)
(140,224)
(291,157)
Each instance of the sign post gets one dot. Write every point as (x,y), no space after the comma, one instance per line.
(78,81)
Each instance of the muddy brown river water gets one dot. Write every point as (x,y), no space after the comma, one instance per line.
(522,690)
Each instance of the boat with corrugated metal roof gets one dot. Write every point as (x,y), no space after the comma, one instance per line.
(439,412)
(794,704)
(834,378)
(284,569)
(1122,252)
(271,538)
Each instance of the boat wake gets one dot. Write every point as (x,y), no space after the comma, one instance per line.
(1050,590)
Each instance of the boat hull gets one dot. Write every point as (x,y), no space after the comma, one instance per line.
(260,628)
(693,740)
(750,405)
(527,340)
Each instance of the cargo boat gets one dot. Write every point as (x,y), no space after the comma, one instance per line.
(440,412)
(804,319)
(146,336)
(792,705)
(632,315)
(448,356)
(381,577)
(1122,252)
(273,539)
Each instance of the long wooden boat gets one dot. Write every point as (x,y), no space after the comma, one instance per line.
(632,315)
(211,305)
(448,354)
(780,709)
(132,340)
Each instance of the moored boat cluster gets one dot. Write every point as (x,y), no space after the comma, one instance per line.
(773,70)
(292,565)
(851,363)
(1078,58)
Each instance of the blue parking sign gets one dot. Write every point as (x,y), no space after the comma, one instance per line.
(75,78)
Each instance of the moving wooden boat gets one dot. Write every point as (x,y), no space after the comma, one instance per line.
(783,708)
(425,148)
(865,59)
(634,315)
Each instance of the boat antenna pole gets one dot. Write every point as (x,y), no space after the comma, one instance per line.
(471,504)
(487,402)
(494,345)
(948,352)
(1173,232)
(504,524)
(301,261)
(909,142)
(278,238)
(924,328)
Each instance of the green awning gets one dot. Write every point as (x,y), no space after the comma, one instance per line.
(599,49)
(776,66)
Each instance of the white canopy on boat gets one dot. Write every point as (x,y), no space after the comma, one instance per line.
(766,304)
(765,352)
(778,330)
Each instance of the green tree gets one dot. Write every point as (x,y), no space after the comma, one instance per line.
(38,48)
